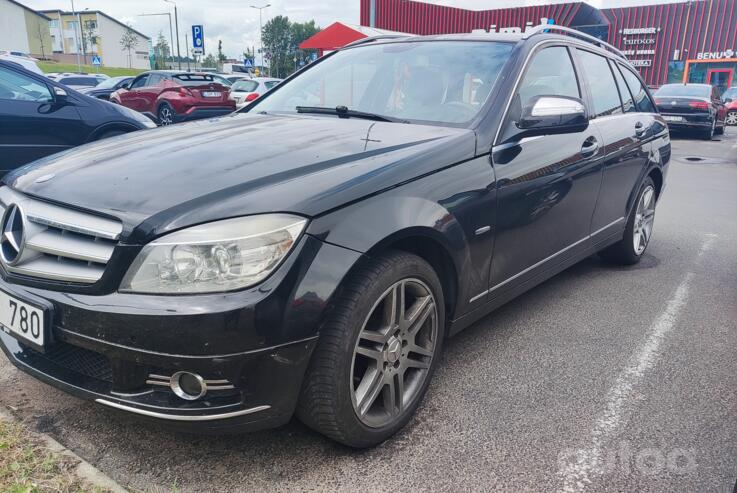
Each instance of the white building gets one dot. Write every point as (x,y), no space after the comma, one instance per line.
(23,29)
(93,32)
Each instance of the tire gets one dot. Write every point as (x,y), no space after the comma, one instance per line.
(709,134)
(359,354)
(731,118)
(624,251)
(165,114)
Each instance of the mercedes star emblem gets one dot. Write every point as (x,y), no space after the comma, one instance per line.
(12,241)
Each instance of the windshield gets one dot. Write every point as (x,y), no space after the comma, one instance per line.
(730,93)
(80,81)
(110,83)
(431,81)
(684,90)
(245,86)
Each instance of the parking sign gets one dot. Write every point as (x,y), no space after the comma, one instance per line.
(198,40)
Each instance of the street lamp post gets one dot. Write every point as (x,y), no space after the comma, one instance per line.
(76,38)
(171,31)
(176,26)
(261,33)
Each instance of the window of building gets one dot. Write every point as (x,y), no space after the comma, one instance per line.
(604,93)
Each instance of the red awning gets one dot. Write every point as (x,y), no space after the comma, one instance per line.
(335,36)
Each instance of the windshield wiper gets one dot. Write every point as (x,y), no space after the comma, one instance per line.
(344,112)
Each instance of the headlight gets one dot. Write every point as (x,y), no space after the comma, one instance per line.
(220,256)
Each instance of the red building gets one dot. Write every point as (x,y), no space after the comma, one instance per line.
(693,41)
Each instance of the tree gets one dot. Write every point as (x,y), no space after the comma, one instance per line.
(281,43)
(89,36)
(162,51)
(128,41)
(221,55)
(300,32)
(277,38)
(39,34)
(210,61)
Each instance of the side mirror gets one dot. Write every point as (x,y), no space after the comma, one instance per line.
(126,85)
(547,115)
(60,95)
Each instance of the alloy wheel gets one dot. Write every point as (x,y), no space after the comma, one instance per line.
(165,116)
(731,118)
(393,354)
(644,219)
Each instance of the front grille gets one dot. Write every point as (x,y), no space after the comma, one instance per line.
(58,243)
(79,360)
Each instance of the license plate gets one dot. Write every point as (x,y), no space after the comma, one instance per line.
(673,118)
(22,320)
(212,94)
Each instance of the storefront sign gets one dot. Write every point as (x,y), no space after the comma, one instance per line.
(641,63)
(716,55)
(639,30)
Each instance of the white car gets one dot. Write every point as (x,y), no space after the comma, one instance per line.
(26,62)
(247,90)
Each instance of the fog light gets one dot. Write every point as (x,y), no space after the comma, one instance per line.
(188,386)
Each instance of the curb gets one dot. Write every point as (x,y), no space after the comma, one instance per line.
(84,469)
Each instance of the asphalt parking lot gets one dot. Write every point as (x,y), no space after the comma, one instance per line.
(601,378)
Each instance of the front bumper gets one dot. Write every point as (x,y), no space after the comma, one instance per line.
(253,346)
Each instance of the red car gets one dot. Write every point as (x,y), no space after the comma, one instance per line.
(730,100)
(172,96)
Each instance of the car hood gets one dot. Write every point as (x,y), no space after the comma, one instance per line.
(164,179)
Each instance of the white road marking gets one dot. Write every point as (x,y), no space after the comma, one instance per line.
(578,467)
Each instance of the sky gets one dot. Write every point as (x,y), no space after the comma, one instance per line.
(237,24)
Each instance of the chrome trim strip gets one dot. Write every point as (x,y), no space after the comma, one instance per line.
(551,257)
(478,296)
(483,230)
(606,227)
(178,417)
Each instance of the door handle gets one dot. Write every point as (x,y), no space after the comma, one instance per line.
(589,147)
(639,129)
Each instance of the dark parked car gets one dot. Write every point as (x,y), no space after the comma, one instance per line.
(39,117)
(692,107)
(171,96)
(312,253)
(105,88)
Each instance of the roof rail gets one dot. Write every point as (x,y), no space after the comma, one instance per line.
(545,28)
(379,37)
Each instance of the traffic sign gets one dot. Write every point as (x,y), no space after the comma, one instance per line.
(198,40)
(96,60)
(247,63)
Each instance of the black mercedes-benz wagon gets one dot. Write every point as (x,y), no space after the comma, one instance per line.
(310,254)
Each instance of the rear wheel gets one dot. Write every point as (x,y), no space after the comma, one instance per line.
(731,118)
(165,114)
(637,232)
(377,352)
(709,134)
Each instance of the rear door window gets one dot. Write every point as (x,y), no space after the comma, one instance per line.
(604,93)
(643,101)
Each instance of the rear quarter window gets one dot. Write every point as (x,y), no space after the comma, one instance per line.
(643,101)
